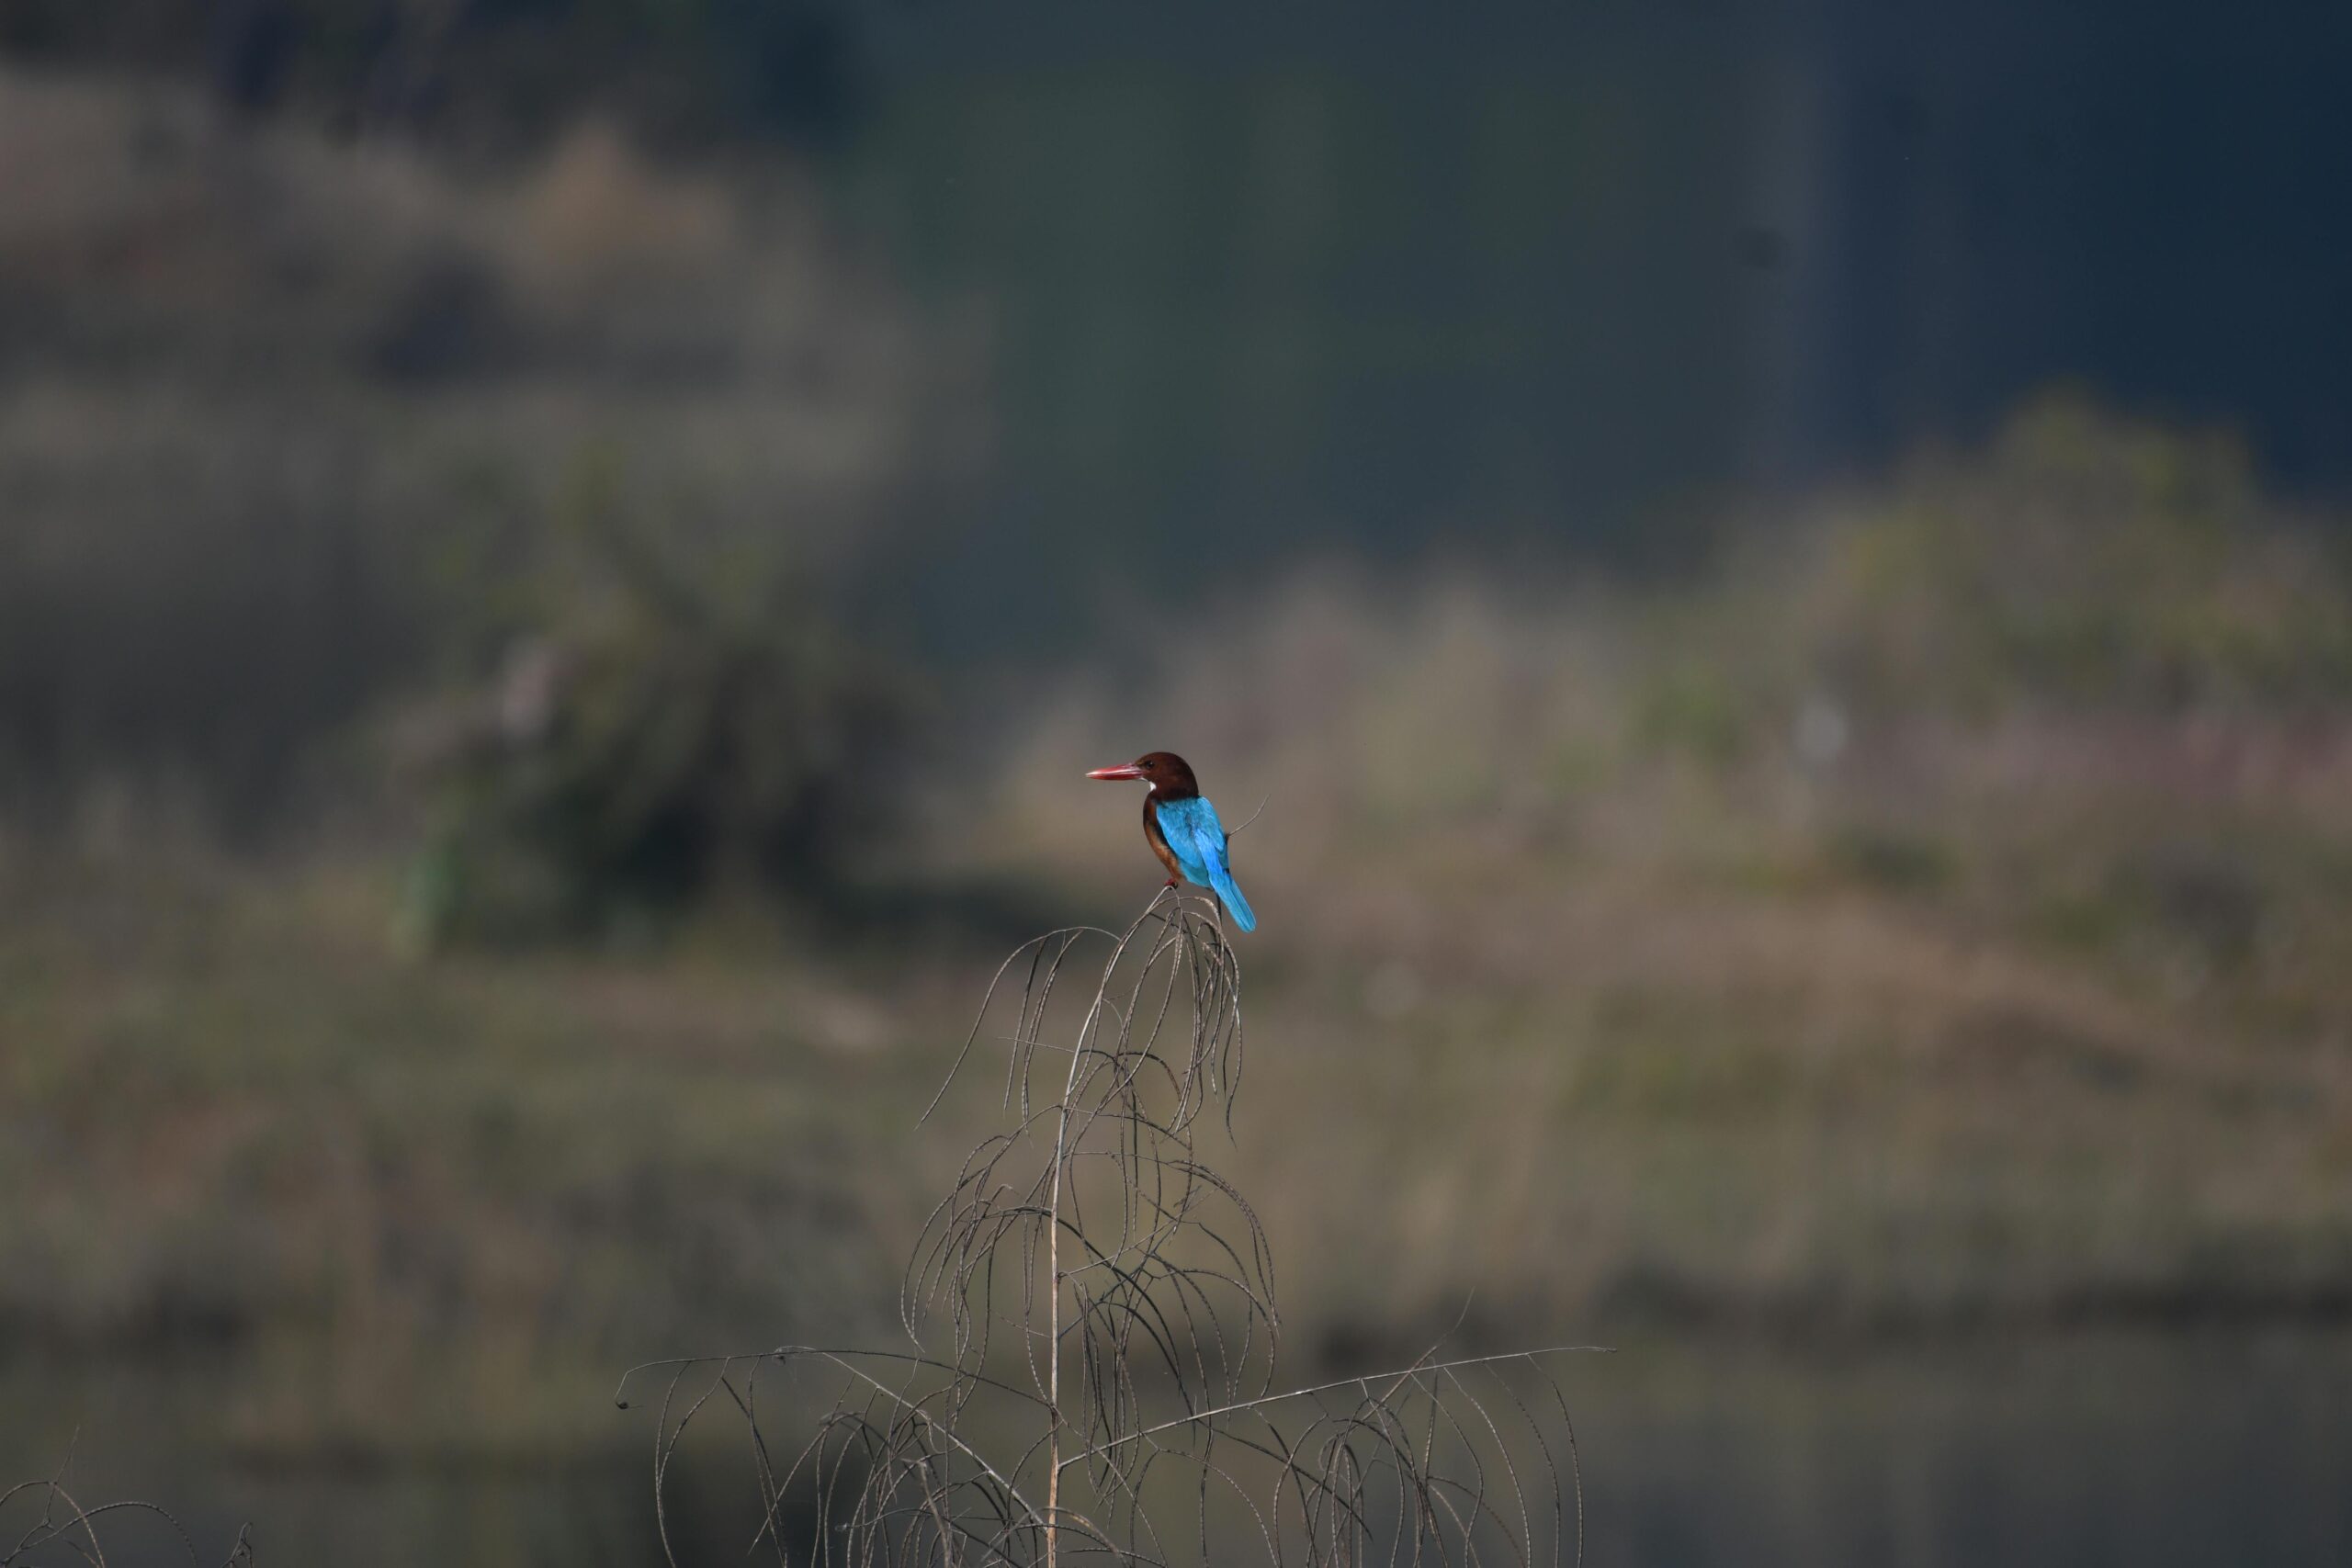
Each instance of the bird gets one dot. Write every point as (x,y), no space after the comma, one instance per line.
(1181,828)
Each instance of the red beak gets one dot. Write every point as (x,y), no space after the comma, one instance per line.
(1128,771)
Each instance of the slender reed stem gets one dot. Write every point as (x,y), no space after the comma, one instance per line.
(1169,1441)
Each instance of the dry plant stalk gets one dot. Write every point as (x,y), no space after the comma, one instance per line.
(1093,1327)
(63,1531)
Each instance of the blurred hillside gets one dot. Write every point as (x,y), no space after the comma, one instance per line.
(290,429)
(1504,280)
(1930,919)
(1934,922)
(552,609)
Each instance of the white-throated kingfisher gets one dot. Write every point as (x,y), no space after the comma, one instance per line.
(1181,828)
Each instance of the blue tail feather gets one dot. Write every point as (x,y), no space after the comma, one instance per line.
(1234,903)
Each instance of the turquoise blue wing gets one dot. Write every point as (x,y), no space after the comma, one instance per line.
(1176,826)
(1197,839)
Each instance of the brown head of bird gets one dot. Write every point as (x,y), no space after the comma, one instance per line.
(1170,776)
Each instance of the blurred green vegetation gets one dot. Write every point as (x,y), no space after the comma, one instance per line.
(1931,916)
(293,436)
(1931,913)
(403,1208)
(1695,956)
(700,68)
(2084,562)
(675,715)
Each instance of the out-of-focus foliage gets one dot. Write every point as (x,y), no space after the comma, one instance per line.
(2081,563)
(1606,914)
(1931,909)
(674,712)
(680,68)
(2084,561)
(1935,913)
(255,389)
(2087,690)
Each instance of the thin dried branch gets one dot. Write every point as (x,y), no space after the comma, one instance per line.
(1095,1329)
(62,1531)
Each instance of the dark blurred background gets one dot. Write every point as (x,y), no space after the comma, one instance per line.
(1782,572)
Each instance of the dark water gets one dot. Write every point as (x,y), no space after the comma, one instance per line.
(2064,1452)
